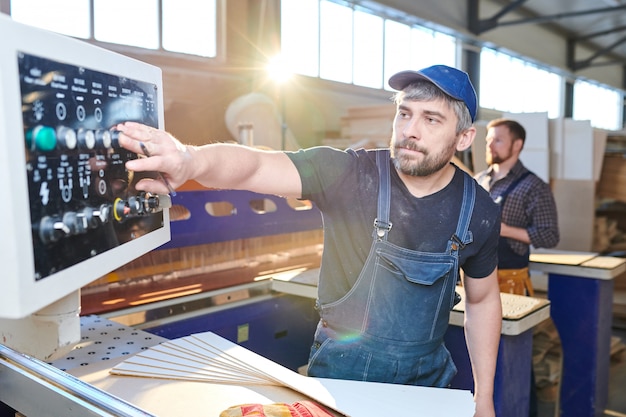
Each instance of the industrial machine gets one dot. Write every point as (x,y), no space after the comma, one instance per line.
(78,240)
(71,213)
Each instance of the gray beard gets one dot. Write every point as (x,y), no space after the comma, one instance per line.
(425,169)
(429,166)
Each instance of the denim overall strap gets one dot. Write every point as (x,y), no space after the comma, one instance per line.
(463,236)
(382,225)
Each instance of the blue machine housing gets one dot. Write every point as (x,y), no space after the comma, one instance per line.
(245,222)
(280,327)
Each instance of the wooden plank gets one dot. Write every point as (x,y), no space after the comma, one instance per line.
(612,183)
(514,307)
(604,262)
(386,111)
(562,258)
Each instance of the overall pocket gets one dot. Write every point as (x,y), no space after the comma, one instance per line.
(413,297)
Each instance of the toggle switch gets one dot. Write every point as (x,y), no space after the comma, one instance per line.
(52,229)
(77,225)
(103,213)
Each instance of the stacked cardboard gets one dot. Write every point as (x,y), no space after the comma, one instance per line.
(612,183)
(568,155)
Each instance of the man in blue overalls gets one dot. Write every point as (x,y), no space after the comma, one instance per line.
(399,223)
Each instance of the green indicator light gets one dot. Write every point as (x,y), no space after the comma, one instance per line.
(45,138)
(29,139)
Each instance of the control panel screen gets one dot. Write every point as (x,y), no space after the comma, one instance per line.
(82,199)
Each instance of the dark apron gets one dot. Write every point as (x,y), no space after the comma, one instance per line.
(390,326)
(507,257)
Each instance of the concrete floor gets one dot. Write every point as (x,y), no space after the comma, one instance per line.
(616,406)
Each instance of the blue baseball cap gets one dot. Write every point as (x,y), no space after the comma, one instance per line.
(451,81)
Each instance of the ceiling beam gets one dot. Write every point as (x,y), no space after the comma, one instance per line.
(477,26)
(575,65)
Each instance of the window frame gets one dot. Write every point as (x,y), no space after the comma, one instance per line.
(159,52)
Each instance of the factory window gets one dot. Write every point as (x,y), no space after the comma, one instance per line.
(112,25)
(416,47)
(189,27)
(368,51)
(54,16)
(347,42)
(510,84)
(301,50)
(335,42)
(184,26)
(601,106)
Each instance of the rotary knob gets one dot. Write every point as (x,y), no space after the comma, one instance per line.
(104,139)
(86,139)
(67,137)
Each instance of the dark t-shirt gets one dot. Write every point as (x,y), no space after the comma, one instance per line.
(344,186)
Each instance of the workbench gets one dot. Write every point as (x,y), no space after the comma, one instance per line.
(520,315)
(580,290)
(106,343)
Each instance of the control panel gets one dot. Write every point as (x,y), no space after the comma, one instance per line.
(82,199)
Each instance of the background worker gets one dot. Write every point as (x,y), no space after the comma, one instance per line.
(398,225)
(529,215)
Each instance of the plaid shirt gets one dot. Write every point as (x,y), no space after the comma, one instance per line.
(529,205)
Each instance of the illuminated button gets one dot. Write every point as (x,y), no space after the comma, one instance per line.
(67,137)
(103,138)
(29,140)
(43,138)
(86,139)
